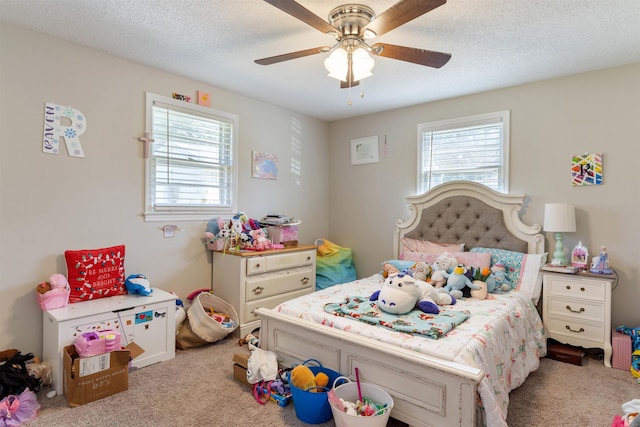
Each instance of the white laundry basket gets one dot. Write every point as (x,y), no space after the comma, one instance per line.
(349,392)
(204,325)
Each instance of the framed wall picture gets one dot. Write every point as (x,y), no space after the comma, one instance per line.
(264,165)
(364,150)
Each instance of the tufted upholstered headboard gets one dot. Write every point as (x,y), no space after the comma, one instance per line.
(469,213)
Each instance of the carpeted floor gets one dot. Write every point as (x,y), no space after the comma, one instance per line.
(197,388)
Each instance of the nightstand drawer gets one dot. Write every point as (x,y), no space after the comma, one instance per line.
(272,302)
(269,284)
(579,309)
(577,288)
(575,329)
(264,264)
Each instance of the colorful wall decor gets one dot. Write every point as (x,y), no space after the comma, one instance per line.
(204,99)
(586,169)
(264,165)
(66,123)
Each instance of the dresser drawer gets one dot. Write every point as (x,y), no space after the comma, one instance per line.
(576,329)
(578,309)
(271,302)
(265,285)
(264,264)
(577,288)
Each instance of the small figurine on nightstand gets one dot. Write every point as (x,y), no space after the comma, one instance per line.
(600,263)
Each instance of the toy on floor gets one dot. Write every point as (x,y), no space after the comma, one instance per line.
(400,293)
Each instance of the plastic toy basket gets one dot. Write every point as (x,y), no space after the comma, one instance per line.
(348,391)
(312,407)
(203,325)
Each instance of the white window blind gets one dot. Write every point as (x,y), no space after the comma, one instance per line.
(192,161)
(472,149)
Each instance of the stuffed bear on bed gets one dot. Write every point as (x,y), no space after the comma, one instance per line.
(401,293)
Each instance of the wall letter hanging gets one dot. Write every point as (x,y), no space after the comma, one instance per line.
(586,169)
(66,123)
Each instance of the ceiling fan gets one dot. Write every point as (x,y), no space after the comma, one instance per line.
(352,25)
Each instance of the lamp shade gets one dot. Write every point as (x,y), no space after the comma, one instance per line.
(337,64)
(362,64)
(559,217)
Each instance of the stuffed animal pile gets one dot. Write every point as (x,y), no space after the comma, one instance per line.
(447,276)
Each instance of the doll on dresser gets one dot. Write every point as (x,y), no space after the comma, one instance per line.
(600,263)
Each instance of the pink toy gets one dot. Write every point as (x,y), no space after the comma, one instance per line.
(54,293)
(260,241)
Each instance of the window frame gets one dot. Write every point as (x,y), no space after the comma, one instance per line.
(190,213)
(503,117)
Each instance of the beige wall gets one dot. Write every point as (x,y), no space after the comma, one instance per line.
(52,203)
(550,121)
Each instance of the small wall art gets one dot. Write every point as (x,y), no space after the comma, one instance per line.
(586,169)
(264,165)
(364,150)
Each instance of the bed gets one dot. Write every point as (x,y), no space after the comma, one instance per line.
(463,378)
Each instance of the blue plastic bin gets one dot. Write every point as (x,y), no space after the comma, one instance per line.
(313,407)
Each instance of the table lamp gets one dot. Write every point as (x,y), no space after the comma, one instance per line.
(559,218)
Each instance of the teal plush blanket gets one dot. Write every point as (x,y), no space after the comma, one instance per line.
(415,322)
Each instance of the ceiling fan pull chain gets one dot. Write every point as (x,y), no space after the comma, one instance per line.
(362,90)
(349,102)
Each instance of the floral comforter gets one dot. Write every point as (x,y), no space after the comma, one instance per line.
(503,336)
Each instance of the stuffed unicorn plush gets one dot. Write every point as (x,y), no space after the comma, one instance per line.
(401,293)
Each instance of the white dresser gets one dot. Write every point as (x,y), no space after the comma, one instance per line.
(249,279)
(149,321)
(576,310)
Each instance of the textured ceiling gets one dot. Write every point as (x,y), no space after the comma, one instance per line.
(494,44)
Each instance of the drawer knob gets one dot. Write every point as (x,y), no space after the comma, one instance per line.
(575,311)
(582,289)
(568,287)
(257,265)
(304,280)
(573,330)
(257,290)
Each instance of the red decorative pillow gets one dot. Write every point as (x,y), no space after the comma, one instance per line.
(95,273)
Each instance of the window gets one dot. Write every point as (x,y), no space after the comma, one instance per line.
(191,172)
(472,148)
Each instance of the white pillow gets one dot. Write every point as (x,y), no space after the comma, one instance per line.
(531,276)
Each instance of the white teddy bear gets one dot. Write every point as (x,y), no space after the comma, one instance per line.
(441,265)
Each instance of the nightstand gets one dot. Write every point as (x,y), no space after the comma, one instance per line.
(576,310)
(250,279)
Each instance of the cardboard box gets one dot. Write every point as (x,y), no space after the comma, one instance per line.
(240,368)
(621,344)
(91,378)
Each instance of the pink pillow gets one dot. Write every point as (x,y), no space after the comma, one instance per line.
(471,259)
(415,245)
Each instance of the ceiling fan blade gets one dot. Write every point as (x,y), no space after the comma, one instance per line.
(401,13)
(305,15)
(429,58)
(292,55)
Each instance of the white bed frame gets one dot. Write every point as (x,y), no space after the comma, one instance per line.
(427,391)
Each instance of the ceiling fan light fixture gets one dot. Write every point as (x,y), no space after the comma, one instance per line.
(337,64)
(362,64)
